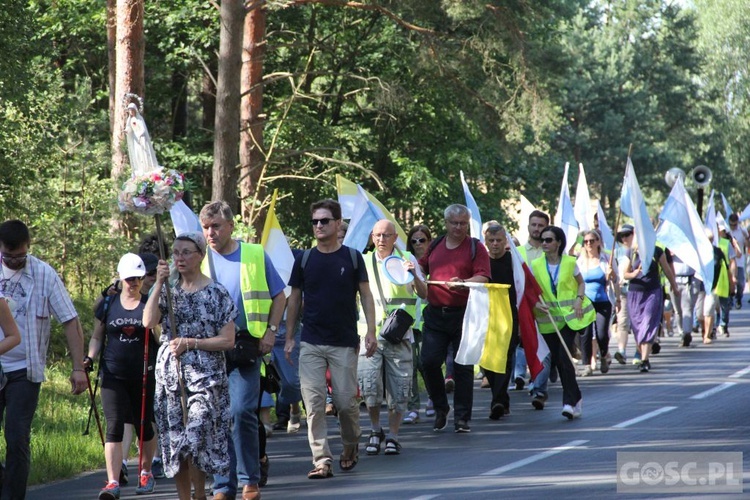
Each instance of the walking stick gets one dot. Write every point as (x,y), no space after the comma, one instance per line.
(143,400)
(173,323)
(91,408)
(93,405)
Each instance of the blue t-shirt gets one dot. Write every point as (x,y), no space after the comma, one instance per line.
(227,272)
(330,284)
(596,284)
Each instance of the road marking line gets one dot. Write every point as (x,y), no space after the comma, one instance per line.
(535,458)
(425,497)
(711,392)
(643,417)
(740,373)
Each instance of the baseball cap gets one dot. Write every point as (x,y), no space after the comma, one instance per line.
(149,260)
(131,266)
(625,229)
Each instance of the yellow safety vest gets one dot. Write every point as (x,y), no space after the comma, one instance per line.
(722,285)
(396,296)
(256,298)
(561,306)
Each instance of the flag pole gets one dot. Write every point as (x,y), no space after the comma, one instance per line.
(559,335)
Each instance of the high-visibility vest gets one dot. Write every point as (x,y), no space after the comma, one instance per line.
(256,298)
(396,296)
(561,306)
(722,286)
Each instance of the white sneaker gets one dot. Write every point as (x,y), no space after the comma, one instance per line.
(571,412)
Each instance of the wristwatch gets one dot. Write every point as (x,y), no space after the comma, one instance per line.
(273,328)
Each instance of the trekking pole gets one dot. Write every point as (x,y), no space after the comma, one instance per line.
(91,408)
(143,400)
(93,405)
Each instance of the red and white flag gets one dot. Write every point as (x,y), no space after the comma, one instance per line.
(527,295)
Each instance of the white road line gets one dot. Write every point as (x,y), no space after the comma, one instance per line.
(425,497)
(711,392)
(643,417)
(740,373)
(535,458)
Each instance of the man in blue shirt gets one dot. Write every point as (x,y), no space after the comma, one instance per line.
(261,302)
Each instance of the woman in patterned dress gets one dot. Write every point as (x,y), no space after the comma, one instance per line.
(190,369)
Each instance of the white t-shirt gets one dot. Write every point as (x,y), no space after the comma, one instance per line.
(11,289)
(740,234)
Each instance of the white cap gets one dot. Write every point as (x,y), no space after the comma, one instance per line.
(131,266)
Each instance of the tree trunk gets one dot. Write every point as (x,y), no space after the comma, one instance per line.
(227,123)
(179,105)
(111,58)
(252,151)
(128,75)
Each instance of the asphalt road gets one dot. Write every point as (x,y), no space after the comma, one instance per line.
(693,400)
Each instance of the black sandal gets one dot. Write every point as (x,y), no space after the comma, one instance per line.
(392,447)
(321,471)
(353,457)
(373,443)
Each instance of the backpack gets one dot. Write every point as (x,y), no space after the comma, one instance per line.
(352,253)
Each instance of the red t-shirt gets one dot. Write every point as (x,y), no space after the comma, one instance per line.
(443,264)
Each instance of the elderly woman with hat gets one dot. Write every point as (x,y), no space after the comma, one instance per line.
(192,392)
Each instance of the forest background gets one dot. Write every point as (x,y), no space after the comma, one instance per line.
(398,96)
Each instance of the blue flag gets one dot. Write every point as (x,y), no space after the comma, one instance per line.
(471,204)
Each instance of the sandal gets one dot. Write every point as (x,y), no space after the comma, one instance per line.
(373,444)
(353,457)
(321,471)
(392,447)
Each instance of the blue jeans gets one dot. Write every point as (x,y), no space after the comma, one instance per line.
(289,372)
(244,446)
(740,284)
(18,400)
(725,304)
(519,370)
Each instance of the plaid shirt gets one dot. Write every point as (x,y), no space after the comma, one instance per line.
(46,295)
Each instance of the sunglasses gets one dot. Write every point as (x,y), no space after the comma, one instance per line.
(414,241)
(323,222)
(548,240)
(589,242)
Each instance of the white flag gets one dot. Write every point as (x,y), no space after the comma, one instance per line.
(633,205)
(583,202)
(565,217)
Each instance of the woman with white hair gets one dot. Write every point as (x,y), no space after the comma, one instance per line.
(192,391)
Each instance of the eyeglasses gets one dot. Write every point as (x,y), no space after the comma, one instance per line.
(183,254)
(414,241)
(458,223)
(548,240)
(383,236)
(133,279)
(15,258)
(589,242)
(323,222)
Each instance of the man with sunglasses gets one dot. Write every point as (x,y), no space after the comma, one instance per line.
(330,275)
(34,292)
(454,259)
(247,273)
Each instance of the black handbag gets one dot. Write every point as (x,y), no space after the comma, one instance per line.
(246,349)
(397,323)
(271,381)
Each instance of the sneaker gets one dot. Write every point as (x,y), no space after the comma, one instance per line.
(645,366)
(538,401)
(604,364)
(157,468)
(281,425)
(520,383)
(739,304)
(686,339)
(110,492)
(462,426)
(497,411)
(146,483)
(392,447)
(429,411)
(294,423)
(587,372)
(123,474)
(726,332)
(441,420)
(620,357)
(637,359)
(571,412)
(449,385)
(411,418)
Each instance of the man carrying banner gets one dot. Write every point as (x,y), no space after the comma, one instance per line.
(501,267)
(391,362)
(454,258)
